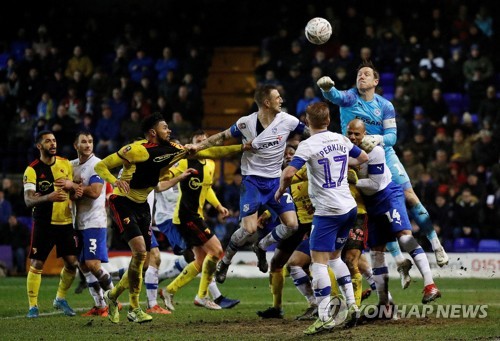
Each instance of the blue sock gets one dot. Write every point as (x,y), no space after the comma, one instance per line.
(393,248)
(420,215)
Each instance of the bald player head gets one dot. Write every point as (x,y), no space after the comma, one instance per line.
(356,131)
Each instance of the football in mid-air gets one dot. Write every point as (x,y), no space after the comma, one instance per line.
(318,30)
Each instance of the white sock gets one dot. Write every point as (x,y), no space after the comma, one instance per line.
(343,276)
(151,281)
(302,283)
(95,289)
(380,276)
(214,290)
(177,267)
(368,275)
(322,289)
(279,233)
(410,245)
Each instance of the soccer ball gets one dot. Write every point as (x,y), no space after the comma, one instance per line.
(318,31)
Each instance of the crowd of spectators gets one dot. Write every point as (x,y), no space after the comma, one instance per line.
(105,71)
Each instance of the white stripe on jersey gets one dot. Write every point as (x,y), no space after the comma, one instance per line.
(267,158)
(87,212)
(369,184)
(326,155)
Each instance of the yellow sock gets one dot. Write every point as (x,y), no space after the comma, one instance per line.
(276,282)
(207,274)
(186,276)
(285,272)
(335,286)
(135,278)
(358,287)
(33,282)
(120,287)
(66,279)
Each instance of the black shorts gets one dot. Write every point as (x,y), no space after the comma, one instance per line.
(290,244)
(195,232)
(132,219)
(358,234)
(45,236)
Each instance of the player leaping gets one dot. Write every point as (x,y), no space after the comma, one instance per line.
(268,130)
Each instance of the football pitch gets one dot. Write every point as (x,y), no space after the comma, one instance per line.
(468,310)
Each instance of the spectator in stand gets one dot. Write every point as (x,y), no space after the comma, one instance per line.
(141,104)
(476,186)
(345,59)
(196,63)
(388,54)
(164,108)
(411,53)
(99,83)
(19,240)
(191,108)
(490,218)
(466,215)
(476,90)
(64,128)
(107,133)
(20,140)
(79,62)
(485,151)
(454,78)
(46,107)
(13,85)
(304,102)
(88,123)
(148,91)
(140,66)
(53,61)
(270,78)
(424,84)
(320,60)
(489,107)
(28,62)
(90,105)
(166,63)
(231,194)
(413,166)
(436,109)
(420,146)
(438,167)
(57,86)
(31,89)
(458,177)
(296,57)
(294,84)
(315,75)
(342,79)
(118,106)
(131,127)
(13,192)
(402,103)
(426,188)
(5,209)
(194,90)
(73,104)
(442,141)
(461,146)
(119,66)
(434,64)
(78,82)
(180,128)
(407,81)
(127,87)
(168,86)
(477,62)
(441,212)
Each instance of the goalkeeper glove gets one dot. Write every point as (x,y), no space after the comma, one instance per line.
(352,176)
(325,83)
(370,141)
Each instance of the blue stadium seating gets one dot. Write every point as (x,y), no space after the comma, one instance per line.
(26,220)
(6,256)
(488,245)
(387,78)
(465,245)
(454,101)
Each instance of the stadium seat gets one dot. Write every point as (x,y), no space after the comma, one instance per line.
(389,96)
(454,101)
(387,90)
(465,245)
(448,245)
(6,256)
(26,220)
(488,245)
(387,78)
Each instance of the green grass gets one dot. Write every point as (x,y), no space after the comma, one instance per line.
(241,323)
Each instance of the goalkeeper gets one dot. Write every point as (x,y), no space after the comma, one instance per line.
(380,120)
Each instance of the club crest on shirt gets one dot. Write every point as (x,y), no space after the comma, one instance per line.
(274,130)
(242,126)
(377,112)
(246,207)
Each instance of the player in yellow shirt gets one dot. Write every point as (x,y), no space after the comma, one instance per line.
(48,189)
(189,220)
(144,164)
